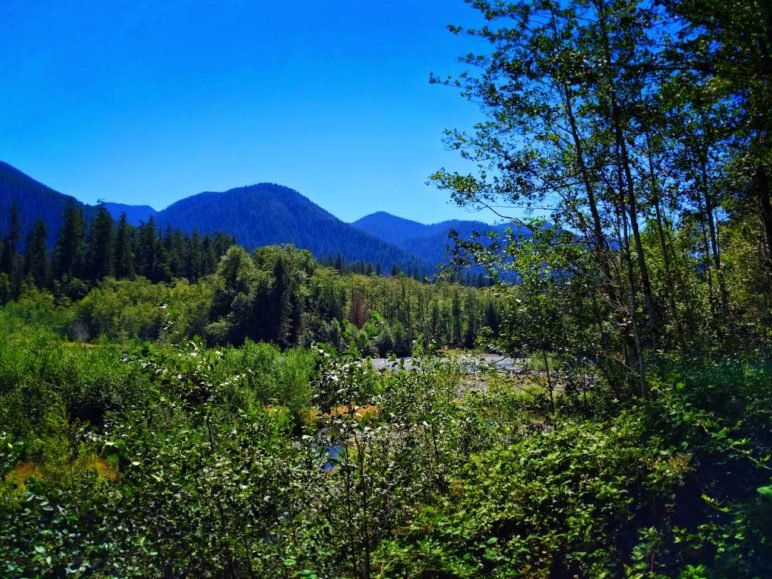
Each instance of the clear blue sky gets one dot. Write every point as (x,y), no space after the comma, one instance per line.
(149,101)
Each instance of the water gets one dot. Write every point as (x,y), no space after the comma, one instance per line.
(471,363)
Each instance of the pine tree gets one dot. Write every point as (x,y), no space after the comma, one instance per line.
(282,297)
(10,259)
(36,254)
(124,250)
(100,245)
(148,251)
(70,247)
(194,258)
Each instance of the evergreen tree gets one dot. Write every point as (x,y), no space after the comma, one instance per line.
(194,258)
(148,252)
(36,263)
(208,256)
(10,257)
(456,320)
(100,245)
(10,253)
(69,253)
(124,249)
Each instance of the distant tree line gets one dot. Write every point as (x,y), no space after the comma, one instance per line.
(88,251)
(468,277)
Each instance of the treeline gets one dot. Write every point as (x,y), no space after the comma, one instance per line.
(88,251)
(641,130)
(473,277)
(280,294)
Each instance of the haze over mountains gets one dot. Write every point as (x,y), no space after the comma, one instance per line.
(256,215)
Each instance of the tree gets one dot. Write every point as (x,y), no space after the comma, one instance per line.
(726,48)
(148,252)
(11,241)
(69,253)
(10,258)
(100,245)
(614,118)
(233,303)
(556,140)
(36,255)
(124,249)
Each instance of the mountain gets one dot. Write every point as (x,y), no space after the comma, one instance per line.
(266,214)
(390,228)
(34,200)
(431,242)
(263,214)
(135,214)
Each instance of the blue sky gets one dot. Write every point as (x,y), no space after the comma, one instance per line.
(149,101)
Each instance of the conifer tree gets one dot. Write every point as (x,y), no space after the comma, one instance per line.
(124,249)
(10,258)
(36,263)
(69,253)
(10,253)
(100,245)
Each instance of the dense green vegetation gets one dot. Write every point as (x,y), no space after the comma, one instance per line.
(275,294)
(170,458)
(229,423)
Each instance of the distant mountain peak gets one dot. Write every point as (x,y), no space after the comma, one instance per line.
(431,242)
(267,214)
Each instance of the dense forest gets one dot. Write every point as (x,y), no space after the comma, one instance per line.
(114,282)
(202,410)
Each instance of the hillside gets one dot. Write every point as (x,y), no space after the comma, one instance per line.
(431,242)
(390,228)
(267,214)
(258,215)
(135,214)
(34,200)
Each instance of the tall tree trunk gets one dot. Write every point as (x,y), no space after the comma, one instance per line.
(632,333)
(710,220)
(623,158)
(761,185)
(656,195)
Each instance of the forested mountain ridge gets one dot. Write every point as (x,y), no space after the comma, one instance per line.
(33,200)
(135,214)
(256,215)
(403,232)
(389,227)
(433,242)
(266,214)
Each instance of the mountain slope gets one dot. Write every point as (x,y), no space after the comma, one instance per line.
(135,214)
(390,228)
(432,242)
(257,215)
(34,200)
(266,214)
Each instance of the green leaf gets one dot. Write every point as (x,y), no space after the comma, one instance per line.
(765,492)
